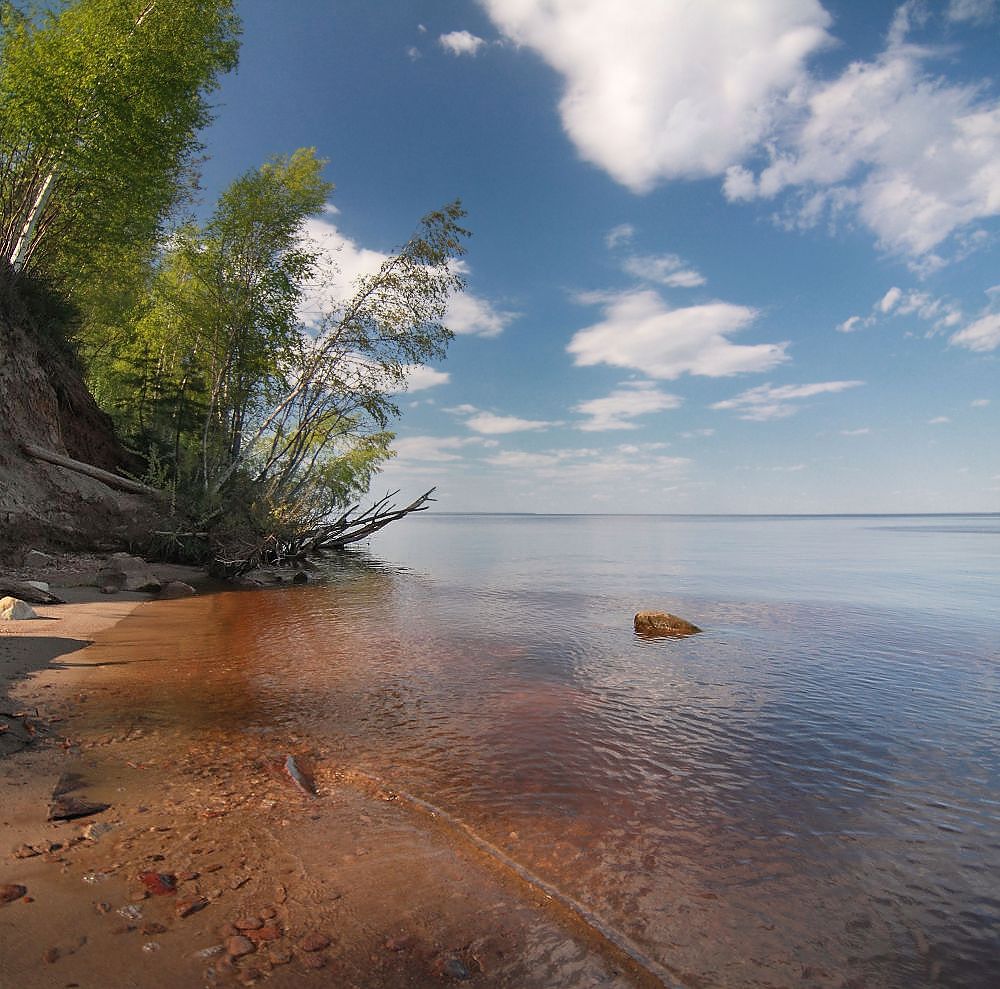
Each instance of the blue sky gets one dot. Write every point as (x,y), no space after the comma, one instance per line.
(726,257)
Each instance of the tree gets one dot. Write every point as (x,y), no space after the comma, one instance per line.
(100,102)
(282,421)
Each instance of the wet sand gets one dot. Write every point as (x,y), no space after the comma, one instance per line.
(212,866)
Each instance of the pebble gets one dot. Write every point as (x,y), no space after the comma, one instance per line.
(150,946)
(153,928)
(268,913)
(186,907)
(314,961)
(249,923)
(239,946)
(314,942)
(228,930)
(279,956)
(269,933)
(11,892)
(211,951)
(103,908)
(52,955)
(26,852)
(455,968)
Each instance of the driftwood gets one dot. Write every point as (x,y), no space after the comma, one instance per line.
(112,480)
(352,526)
(25,592)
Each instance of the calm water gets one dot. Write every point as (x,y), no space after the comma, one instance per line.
(808,794)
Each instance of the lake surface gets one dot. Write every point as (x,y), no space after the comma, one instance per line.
(807,794)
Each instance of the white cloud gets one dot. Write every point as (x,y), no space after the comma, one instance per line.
(938,421)
(664,269)
(434,449)
(979,403)
(863,431)
(977,11)
(766,402)
(622,234)
(419,377)
(461,43)
(625,403)
(981,336)
(641,332)
(658,90)
(490,424)
(413,53)
(346,261)
(581,468)
(851,324)
(471,314)
(886,303)
(914,156)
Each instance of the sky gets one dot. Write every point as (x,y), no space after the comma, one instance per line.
(726,257)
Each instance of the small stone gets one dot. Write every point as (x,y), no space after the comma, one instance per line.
(269,933)
(138,896)
(663,623)
(238,946)
(228,930)
(248,923)
(123,929)
(26,852)
(279,956)
(268,913)
(314,942)
(187,877)
(151,946)
(186,907)
(314,961)
(398,943)
(11,892)
(280,894)
(249,976)
(52,955)
(153,928)
(455,968)
(159,883)
(103,908)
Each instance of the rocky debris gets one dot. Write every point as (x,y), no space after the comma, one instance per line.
(238,946)
(33,591)
(455,968)
(314,941)
(663,623)
(26,852)
(66,808)
(270,576)
(176,589)
(190,905)
(299,779)
(315,961)
(123,572)
(269,932)
(51,956)
(279,956)
(36,560)
(15,610)
(159,883)
(152,927)
(10,892)
(248,923)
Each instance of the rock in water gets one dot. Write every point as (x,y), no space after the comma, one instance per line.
(13,609)
(663,623)
(177,589)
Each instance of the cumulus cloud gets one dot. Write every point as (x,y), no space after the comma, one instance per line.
(622,234)
(942,313)
(977,11)
(641,332)
(658,90)
(912,155)
(664,269)
(461,43)
(431,449)
(345,261)
(627,402)
(767,402)
(472,314)
(981,336)
(492,424)
(886,303)
(420,377)
(579,468)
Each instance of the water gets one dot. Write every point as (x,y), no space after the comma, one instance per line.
(808,794)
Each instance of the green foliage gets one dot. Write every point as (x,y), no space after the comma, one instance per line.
(101,101)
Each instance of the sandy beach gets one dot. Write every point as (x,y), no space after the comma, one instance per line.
(230,858)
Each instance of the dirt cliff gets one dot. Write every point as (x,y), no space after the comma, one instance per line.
(44,401)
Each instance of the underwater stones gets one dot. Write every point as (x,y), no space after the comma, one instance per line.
(662,623)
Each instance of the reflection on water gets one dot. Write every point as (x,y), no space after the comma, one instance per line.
(807,794)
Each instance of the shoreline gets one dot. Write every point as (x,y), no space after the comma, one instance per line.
(344,886)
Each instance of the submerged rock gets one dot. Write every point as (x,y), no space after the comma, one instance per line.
(14,609)
(663,623)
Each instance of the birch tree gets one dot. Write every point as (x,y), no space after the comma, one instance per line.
(100,104)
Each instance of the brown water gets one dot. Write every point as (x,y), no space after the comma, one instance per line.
(808,794)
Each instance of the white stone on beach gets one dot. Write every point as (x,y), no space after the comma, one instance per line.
(13,609)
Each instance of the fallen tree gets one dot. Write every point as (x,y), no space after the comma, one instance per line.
(351,526)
